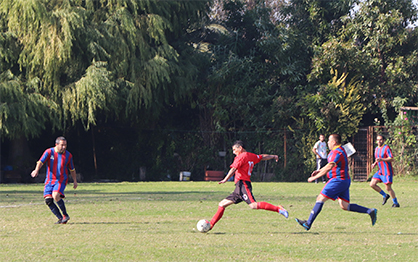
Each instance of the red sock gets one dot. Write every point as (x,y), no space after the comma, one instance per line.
(217,216)
(267,206)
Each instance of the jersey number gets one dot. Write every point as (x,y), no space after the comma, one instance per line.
(250,167)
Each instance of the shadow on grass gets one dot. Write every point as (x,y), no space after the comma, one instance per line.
(108,223)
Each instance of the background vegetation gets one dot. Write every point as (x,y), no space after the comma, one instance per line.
(164,86)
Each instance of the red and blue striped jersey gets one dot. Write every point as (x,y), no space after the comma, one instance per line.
(57,166)
(385,168)
(244,163)
(339,157)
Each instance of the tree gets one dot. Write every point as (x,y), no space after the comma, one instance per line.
(377,45)
(92,60)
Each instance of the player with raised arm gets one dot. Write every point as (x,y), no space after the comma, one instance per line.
(338,185)
(242,167)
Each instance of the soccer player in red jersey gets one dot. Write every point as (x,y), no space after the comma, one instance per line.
(242,167)
(384,159)
(58,161)
(338,185)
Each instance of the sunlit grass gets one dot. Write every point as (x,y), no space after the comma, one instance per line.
(156,221)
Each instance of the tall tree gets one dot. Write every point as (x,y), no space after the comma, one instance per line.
(377,44)
(92,59)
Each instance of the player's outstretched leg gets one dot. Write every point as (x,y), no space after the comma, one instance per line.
(270,207)
(217,216)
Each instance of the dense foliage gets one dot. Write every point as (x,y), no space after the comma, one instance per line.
(164,86)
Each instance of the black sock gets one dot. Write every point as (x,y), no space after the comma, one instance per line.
(55,210)
(62,207)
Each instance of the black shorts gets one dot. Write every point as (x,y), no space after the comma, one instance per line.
(243,192)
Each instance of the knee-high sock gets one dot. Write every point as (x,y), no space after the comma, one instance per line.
(382,193)
(267,206)
(357,208)
(217,216)
(62,207)
(314,213)
(55,210)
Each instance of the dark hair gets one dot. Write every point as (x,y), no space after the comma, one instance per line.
(383,137)
(239,143)
(337,138)
(60,138)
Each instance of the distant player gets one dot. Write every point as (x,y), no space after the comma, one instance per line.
(338,185)
(242,167)
(320,151)
(384,159)
(58,161)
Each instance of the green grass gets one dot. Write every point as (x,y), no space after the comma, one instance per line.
(156,221)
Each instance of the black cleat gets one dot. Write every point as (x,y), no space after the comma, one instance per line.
(385,199)
(65,219)
(303,223)
(373,216)
(59,221)
(396,205)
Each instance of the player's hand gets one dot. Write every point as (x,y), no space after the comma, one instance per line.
(34,173)
(75,185)
(311,179)
(314,173)
(276,157)
(222,181)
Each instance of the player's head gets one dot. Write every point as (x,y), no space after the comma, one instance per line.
(380,140)
(238,147)
(60,144)
(334,140)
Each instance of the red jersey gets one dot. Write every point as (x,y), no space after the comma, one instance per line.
(244,163)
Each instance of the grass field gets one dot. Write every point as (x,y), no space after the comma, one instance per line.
(155,221)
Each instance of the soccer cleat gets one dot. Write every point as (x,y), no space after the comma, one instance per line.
(373,216)
(303,223)
(65,219)
(283,212)
(385,199)
(396,205)
(59,221)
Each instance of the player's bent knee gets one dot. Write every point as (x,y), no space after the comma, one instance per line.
(49,201)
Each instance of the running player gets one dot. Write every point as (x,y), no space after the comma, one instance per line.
(384,160)
(242,167)
(57,161)
(338,185)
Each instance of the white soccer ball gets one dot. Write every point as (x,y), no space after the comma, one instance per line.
(203,226)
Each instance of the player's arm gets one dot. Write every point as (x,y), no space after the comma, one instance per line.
(321,172)
(74,176)
(386,159)
(231,172)
(35,172)
(268,157)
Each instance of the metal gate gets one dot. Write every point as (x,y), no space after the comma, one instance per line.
(360,162)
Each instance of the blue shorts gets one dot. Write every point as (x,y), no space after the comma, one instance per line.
(385,179)
(336,188)
(57,187)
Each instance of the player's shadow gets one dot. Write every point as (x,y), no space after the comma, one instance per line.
(108,223)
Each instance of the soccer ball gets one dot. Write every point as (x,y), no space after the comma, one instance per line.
(203,226)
